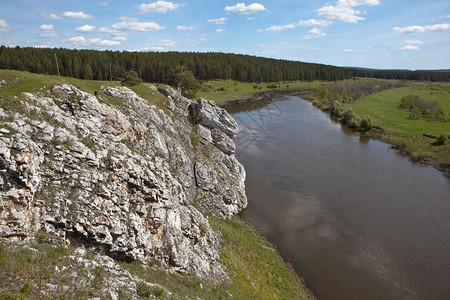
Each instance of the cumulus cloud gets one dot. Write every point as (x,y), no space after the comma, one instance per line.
(310,22)
(413,42)
(76,15)
(185,27)
(131,24)
(85,28)
(410,47)
(98,42)
(50,16)
(4,27)
(344,10)
(244,9)
(418,28)
(48,31)
(67,15)
(46,27)
(314,33)
(348,50)
(221,30)
(159,6)
(113,32)
(219,21)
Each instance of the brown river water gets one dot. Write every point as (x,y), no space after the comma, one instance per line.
(355,219)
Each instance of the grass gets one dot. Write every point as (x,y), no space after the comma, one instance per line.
(31,83)
(255,268)
(399,129)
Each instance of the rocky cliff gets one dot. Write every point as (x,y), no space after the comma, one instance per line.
(113,173)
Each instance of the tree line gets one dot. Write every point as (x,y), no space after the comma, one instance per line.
(157,66)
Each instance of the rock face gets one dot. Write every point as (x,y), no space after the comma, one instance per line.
(117,174)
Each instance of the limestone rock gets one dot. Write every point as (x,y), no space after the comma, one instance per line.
(121,179)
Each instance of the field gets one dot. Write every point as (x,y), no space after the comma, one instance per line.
(413,136)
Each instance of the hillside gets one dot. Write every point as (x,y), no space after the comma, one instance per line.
(117,193)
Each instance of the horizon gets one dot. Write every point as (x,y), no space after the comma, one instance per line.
(370,34)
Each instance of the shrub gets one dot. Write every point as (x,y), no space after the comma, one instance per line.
(131,78)
(414,112)
(366,124)
(441,139)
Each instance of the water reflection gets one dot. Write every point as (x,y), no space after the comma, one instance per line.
(356,219)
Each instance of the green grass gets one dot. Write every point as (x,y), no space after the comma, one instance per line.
(383,108)
(255,268)
(31,83)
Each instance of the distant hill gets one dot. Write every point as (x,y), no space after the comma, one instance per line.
(157,66)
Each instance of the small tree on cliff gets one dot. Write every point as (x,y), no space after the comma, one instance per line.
(131,78)
(185,81)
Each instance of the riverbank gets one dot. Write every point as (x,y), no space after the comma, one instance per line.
(391,124)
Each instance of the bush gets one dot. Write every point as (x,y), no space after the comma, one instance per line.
(366,124)
(131,78)
(441,139)
(414,112)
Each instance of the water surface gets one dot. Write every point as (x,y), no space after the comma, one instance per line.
(356,219)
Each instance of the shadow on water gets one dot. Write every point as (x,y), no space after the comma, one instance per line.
(355,218)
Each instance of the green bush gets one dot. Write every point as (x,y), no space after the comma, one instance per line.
(366,124)
(441,139)
(131,78)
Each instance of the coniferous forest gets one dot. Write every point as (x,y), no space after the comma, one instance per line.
(157,66)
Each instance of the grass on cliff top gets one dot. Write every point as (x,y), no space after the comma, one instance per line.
(383,108)
(19,82)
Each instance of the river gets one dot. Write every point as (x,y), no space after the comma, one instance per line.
(356,219)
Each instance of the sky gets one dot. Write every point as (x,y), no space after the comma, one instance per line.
(394,34)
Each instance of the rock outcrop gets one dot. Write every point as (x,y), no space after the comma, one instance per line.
(116,174)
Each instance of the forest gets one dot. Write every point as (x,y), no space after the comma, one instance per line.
(157,66)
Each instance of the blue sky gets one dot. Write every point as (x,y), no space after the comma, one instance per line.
(406,34)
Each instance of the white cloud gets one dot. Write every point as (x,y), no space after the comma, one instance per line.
(410,47)
(103,3)
(219,21)
(82,41)
(85,28)
(418,28)
(67,15)
(280,27)
(113,32)
(343,11)
(385,54)
(244,9)
(310,22)
(76,15)
(47,27)
(159,6)
(130,24)
(159,46)
(348,50)
(315,33)
(119,38)
(48,31)
(50,16)
(4,27)
(413,42)
(221,30)
(185,27)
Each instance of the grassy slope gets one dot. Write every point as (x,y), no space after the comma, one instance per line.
(400,130)
(254,266)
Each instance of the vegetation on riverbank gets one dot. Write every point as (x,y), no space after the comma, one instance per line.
(420,135)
